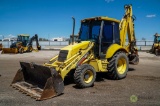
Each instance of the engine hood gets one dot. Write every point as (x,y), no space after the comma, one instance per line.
(71,50)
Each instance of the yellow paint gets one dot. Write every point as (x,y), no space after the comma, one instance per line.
(100,66)
(75,53)
(101,18)
(88,76)
(94,64)
(113,48)
(73,49)
(9,50)
(157,45)
(121,66)
(25,48)
(54,58)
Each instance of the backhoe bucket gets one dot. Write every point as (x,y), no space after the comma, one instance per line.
(134,59)
(40,82)
(9,50)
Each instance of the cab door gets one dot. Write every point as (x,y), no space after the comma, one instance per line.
(110,35)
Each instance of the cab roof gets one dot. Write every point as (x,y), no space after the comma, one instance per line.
(101,18)
(156,34)
(23,35)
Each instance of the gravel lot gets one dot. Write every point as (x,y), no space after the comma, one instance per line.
(140,87)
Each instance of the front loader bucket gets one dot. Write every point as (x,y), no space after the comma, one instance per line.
(40,82)
(9,50)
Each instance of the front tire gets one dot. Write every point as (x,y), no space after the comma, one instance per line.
(118,66)
(84,76)
(21,50)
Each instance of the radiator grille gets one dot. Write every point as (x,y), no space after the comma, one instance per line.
(62,55)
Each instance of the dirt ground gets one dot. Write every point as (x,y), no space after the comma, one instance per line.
(140,87)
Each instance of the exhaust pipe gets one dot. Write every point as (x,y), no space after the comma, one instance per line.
(73,30)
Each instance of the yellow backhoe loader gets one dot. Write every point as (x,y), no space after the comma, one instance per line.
(156,45)
(100,48)
(23,44)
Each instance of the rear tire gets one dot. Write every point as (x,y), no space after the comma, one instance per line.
(84,76)
(118,66)
(39,47)
(30,49)
(156,52)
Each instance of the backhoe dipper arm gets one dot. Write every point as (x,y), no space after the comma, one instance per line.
(35,37)
(127,28)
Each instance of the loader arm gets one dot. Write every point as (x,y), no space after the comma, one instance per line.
(80,57)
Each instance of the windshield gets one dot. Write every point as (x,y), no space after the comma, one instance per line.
(90,30)
(23,38)
(157,39)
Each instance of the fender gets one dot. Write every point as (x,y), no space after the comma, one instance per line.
(113,49)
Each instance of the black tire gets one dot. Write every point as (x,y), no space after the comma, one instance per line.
(39,47)
(153,49)
(21,50)
(156,52)
(118,66)
(30,49)
(84,76)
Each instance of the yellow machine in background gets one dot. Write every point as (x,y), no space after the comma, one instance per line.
(23,44)
(156,45)
(100,48)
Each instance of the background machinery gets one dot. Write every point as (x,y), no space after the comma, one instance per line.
(156,45)
(100,48)
(23,44)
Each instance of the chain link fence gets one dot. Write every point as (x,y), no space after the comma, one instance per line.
(58,44)
(44,44)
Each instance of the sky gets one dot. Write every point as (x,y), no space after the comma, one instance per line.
(52,18)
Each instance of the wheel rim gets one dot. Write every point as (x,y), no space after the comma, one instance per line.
(88,76)
(121,66)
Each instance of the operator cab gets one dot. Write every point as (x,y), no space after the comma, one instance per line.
(23,38)
(103,31)
(156,38)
